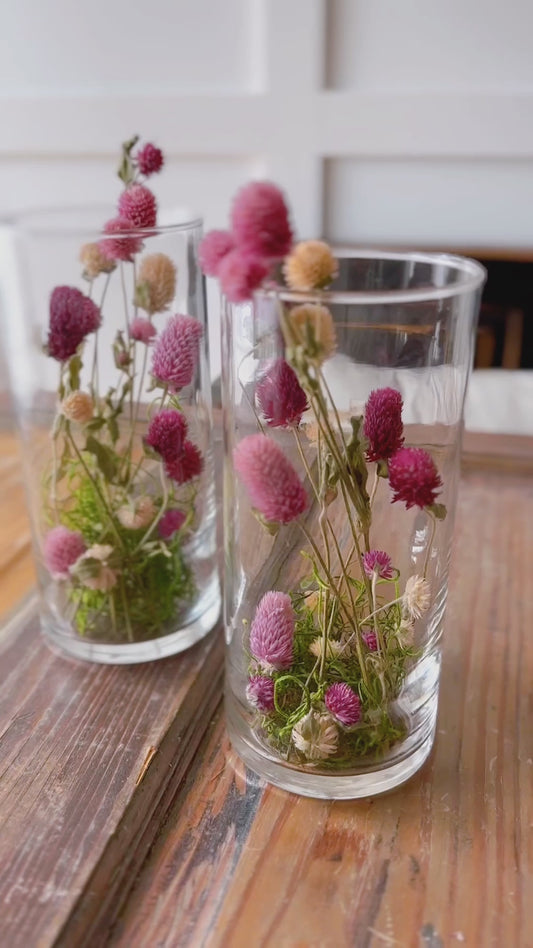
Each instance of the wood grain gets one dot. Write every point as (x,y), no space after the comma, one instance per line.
(445,860)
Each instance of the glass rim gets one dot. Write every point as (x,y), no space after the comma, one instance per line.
(473,274)
(36,221)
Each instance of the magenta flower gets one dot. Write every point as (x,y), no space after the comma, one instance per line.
(270,479)
(176,352)
(371,641)
(187,465)
(72,317)
(240,274)
(414,478)
(272,631)
(343,703)
(62,548)
(280,395)
(149,160)
(166,433)
(212,250)
(171,521)
(378,561)
(142,330)
(260,693)
(137,204)
(260,220)
(383,425)
(116,247)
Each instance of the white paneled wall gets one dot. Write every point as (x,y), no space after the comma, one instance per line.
(384,121)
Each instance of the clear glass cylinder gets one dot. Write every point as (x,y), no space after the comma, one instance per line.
(343,419)
(107,345)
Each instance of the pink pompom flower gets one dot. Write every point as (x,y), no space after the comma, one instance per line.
(166,433)
(62,548)
(187,465)
(212,250)
(72,317)
(383,426)
(260,220)
(138,205)
(280,395)
(270,479)
(240,274)
(377,561)
(176,351)
(272,631)
(343,703)
(371,641)
(414,478)
(115,247)
(142,330)
(171,521)
(149,159)
(260,693)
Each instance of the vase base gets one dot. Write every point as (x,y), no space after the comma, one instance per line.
(376,778)
(130,653)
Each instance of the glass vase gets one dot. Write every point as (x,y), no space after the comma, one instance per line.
(108,349)
(342,421)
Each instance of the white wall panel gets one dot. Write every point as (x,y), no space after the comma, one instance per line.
(476,203)
(422,45)
(69,47)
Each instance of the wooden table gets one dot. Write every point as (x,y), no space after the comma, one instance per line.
(128,821)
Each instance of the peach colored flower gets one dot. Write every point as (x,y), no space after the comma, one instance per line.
(93,568)
(156,283)
(78,407)
(311,327)
(310,266)
(137,514)
(94,261)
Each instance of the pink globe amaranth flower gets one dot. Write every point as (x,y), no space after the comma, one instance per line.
(212,250)
(378,561)
(115,247)
(142,330)
(260,693)
(166,433)
(371,641)
(272,631)
(343,703)
(187,465)
(280,395)
(383,426)
(240,274)
(150,160)
(176,351)
(270,479)
(138,205)
(260,220)
(72,317)
(171,521)
(414,478)
(62,548)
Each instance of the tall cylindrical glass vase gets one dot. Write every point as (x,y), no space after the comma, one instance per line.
(107,344)
(343,417)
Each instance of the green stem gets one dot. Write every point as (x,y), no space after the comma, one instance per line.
(94,482)
(430,544)
(129,629)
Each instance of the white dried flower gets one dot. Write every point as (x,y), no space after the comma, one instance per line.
(406,633)
(316,736)
(96,574)
(137,514)
(333,649)
(416,598)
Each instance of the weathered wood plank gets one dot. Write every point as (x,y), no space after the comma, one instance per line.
(447,859)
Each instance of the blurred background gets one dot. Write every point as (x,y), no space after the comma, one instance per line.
(387,123)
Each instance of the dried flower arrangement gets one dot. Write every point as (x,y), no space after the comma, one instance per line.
(120,506)
(327,658)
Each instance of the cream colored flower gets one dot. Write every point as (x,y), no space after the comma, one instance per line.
(78,407)
(156,283)
(416,597)
(333,649)
(97,574)
(138,513)
(316,736)
(311,327)
(406,633)
(94,262)
(310,266)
